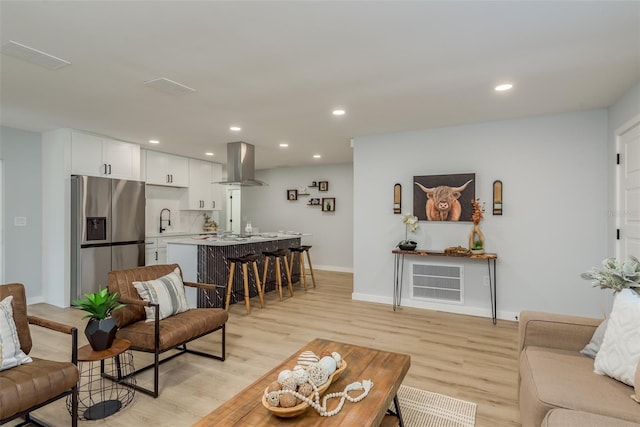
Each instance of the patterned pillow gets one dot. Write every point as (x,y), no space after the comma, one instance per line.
(10,353)
(168,291)
(620,351)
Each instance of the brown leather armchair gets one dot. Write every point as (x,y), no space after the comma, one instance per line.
(170,333)
(27,387)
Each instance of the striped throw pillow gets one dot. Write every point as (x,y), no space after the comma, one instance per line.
(167,291)
(10,353)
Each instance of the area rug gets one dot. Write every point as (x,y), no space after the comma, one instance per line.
(421,408)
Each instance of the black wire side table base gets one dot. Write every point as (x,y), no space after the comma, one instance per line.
(398,273)
(98,395)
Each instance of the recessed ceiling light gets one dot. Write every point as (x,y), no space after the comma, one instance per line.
(154,141)
(503,87)
(316,156)
(235,128)
(284,145)
(209,154)
(338,112)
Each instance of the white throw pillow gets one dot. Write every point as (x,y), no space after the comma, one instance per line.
(10,353)
(620,351)
(167,291)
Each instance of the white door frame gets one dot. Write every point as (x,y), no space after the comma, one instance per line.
(620,208)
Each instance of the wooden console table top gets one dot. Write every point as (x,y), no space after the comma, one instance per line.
(425,252)
(385,369)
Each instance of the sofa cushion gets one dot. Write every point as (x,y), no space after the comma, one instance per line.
(568,418)
(620,351)
(10,353)
(594,345)
(17,384)
(166,291)
(552,378)
(176,329)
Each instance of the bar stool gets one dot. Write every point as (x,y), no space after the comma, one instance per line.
(278,256)
(300,250)
(244,260)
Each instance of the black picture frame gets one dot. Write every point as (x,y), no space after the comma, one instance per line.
(323,186)
(328,204)
(292,195)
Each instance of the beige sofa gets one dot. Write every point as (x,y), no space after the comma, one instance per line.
(557,385)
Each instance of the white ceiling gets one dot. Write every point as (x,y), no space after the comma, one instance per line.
(278,68)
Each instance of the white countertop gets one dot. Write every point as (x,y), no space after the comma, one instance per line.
(230,240)
(177,234)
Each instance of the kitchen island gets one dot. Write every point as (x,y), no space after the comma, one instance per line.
(205,260)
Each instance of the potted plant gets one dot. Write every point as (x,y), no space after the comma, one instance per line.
(411,224)
(209,223)
(477,248)
(101,328)
(616,274)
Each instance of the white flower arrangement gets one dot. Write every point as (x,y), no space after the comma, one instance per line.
(411,225)
(616,275)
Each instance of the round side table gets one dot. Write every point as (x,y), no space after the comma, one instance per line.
(106,387)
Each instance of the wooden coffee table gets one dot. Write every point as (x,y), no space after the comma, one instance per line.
(385,369)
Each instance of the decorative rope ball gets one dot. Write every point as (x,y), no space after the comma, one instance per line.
(288,400)
(305,389)
(300,375)
(308,357)
(274,386)
(284,375)
(273,398)
(289,384)
(318,375)
(329,364)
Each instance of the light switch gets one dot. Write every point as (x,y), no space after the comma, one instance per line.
(20,221)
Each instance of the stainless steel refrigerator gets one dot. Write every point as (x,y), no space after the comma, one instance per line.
(107,230)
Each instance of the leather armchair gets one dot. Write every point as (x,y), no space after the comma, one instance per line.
(159,336)
(27,387)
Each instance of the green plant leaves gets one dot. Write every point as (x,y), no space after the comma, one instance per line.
(99,305)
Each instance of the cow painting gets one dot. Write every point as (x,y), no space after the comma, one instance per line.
(442,201)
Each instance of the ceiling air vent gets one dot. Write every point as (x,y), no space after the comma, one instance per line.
(169,86)
(35,56)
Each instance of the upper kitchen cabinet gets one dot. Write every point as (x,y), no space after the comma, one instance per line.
(201,194)
(96,155)
(216,189)
(167,169)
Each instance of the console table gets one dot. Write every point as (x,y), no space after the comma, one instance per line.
(398,271)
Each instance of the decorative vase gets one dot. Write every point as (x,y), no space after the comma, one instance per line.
(476,236)
(101,333)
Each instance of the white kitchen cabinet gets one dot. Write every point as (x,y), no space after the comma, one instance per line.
(96,155)
(167,169)
(216,189)
(155,250)
(198,195)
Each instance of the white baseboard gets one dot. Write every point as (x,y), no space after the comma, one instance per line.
(449,308)
(333,268)
(35,300)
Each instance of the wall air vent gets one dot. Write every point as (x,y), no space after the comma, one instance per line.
(169,86)
(441,283)
(35,56)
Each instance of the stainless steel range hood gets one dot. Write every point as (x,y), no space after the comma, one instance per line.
(241,165)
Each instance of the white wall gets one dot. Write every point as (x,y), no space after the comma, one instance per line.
(555,210)
(331,232)
(21,152)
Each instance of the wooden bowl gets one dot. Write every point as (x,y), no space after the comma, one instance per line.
(294,411)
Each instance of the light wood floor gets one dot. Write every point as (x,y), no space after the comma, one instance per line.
(461,356)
